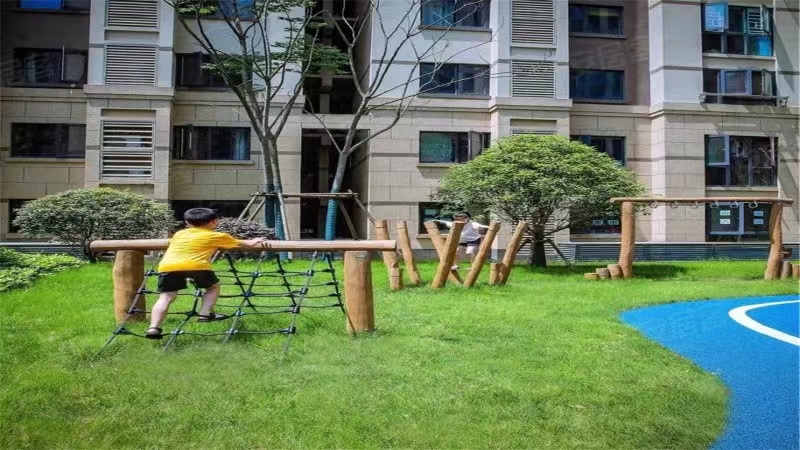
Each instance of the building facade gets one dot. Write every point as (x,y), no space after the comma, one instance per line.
(699,99)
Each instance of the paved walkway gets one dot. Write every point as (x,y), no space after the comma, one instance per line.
(753,345)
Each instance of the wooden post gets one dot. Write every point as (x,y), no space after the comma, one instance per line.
(128,277)
(796,271)
(382,233)
(495,269)
(773,270)
(786,270)
(396,278)
(511,251)
(483,253)
(438,244)
(628,239)
(448,256)
(615,271)
(358,292)
(408,254)
(591,276)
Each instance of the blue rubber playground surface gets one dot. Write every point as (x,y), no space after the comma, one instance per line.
(753,345)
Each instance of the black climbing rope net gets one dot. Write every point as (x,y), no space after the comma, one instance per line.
(268,291)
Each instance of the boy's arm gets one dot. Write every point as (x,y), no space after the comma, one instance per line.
(446,223)
(252,242)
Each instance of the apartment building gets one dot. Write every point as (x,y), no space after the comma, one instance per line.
(697,98)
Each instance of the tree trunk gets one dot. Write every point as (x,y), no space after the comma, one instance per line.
(538,258)
(273,216)
(336,187)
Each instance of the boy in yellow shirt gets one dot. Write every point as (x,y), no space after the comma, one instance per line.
(188,256)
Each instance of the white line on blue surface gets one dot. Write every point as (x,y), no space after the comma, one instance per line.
(740,315)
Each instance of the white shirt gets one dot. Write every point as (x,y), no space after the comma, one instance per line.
(470,231)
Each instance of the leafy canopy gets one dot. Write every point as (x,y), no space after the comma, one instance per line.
(82,215)
(537,178)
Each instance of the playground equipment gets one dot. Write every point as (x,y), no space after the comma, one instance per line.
(130,283)
(776,267)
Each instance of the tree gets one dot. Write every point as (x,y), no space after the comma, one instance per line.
(397,34)
(80,216)
(548,181)
(273,48)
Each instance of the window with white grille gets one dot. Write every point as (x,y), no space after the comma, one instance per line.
(533,22)
(533,79)
(131,64)
(127,149)
(132,13)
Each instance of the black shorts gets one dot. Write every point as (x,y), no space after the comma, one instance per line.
(175,281)
(470,243)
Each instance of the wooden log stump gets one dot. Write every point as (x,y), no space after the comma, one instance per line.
(628,239)
(483,253)
(438,243)
(786,270)
(382,233)
(128,277)
(511,251)
(591,276)
(615,271)
(358,292)
(775,259)
(448,256)
(796,271)
(408,253)
(396,279)
(603,273)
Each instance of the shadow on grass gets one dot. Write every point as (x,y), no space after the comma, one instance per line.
(647,271)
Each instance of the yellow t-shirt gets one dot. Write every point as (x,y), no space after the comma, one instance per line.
(192,248)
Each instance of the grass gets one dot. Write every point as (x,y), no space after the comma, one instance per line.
(542,362)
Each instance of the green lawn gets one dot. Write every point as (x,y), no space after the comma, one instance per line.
(542,362)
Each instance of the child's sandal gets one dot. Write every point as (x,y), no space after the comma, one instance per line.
(153,333)
(211,317)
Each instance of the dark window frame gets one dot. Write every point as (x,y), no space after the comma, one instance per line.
(428,85)
(574,78)
(726,168)
(422,217)
(594,141)
(759,87)
(13,205)
(21,54)
(65,5)
(58,150)
(725,36)
(469,145)
(464,14)
(185,138)
(608,224)
(204,79)
(248,16)
(751,224)
(574,7)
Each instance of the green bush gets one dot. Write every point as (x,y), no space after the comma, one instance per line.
(20,270)
(80,216)
(244,229)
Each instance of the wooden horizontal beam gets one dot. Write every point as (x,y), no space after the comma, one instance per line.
(271,246)
(767,200)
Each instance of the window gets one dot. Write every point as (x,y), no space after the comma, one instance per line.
(78,5)
(50,66)
(612,146)
(224,208)
(13,206)
(443,147)
(740,161)
(428,212)
(739,87)
(596,84)
(225,8)
(737,29)
(615,148)
(595,19)
(46,140)
(454,79)
(190,72)
(734,222)
(456,13)
(205,143)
